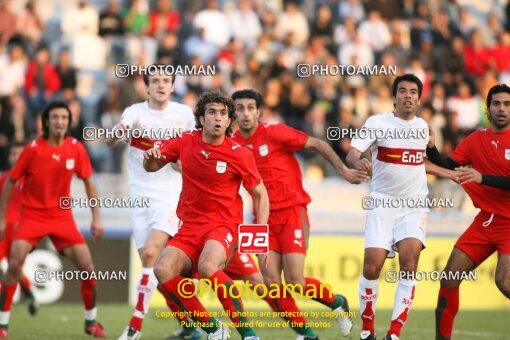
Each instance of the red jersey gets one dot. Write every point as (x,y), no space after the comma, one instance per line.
(14,207)
(212,175)
(273,148)
(489,153)
(48,170)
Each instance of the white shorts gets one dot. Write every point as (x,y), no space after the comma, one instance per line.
(160,216)
(385,227)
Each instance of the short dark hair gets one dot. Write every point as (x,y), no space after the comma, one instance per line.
(249,94)
(160,66)
(499,88)
(214,97)
(410,78)
(45,117)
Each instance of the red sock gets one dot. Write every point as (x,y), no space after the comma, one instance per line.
(447,308)
(88,293)
(286,303)
(25,286)
(173,306)
(232,303)
(6,295)
(190,303)
(320,292)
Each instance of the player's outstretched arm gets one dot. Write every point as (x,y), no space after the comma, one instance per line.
(114,140)
(152,160)
(470,175)
(355,161)
(438,171)
(354,176)
(4,202)
(261,203)
(96,227)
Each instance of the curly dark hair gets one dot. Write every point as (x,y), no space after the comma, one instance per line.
(215,97)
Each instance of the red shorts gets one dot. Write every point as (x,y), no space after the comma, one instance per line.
(191,239)
(484,236)
(289,230)
(6,242)
(240,266)
(59,226)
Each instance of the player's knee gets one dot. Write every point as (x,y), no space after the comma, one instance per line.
(149,256)
(15,266)
(295,280)
(207,268)
(503,284)
(409,265)
(371,271)
(162,272)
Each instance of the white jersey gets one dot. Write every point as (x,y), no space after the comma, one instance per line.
(166,182)
(398,154)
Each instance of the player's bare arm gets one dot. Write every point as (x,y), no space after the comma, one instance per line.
(152,160)
(354,176)
(355,161)
(114,140)
(438,171)
(261,203)
(4,202)
(96,226)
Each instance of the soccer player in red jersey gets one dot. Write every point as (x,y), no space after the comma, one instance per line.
(487,182)
(210,208)
(273,147)
(13,217)
(47,166)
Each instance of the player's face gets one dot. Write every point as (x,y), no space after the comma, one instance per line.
(407,98)
(500,110)
(215,120)
(58,122)
(247,114)
(14,155)
(160,88)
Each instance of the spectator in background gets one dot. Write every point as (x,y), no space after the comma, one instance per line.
(79,19)
(295,106)
(164,20)
(23,130)
(30,25)
(501,53)
(198,46)
(468,107)
(358,49)
(466,24)
(352,9)
(8,22)
(110,21)
(169,51)
(214,23)
(6,134)
(383,102)
(451,68)
(476,56)
(41,82)
(111,29)
(245,24)
(136,17)
(345,33)
(375,32)
(396,47)
(452,135)
(292,22)
(66,71)
(322,25)
(12,73)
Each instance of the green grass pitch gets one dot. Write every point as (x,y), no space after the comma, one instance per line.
(65,321)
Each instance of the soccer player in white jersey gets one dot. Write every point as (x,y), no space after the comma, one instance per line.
(160,119)
(398,172)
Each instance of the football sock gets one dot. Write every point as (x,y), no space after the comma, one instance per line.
(145,289)
(368,292)
(447,308)
(88,294)
(321,293)
(26,287)
(403,300)
(6,296)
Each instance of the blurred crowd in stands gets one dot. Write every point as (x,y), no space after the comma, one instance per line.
(68,50)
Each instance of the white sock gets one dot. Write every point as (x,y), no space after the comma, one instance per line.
(91,314)
(368,293)
(4,318)
(403,300)
(145,289)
